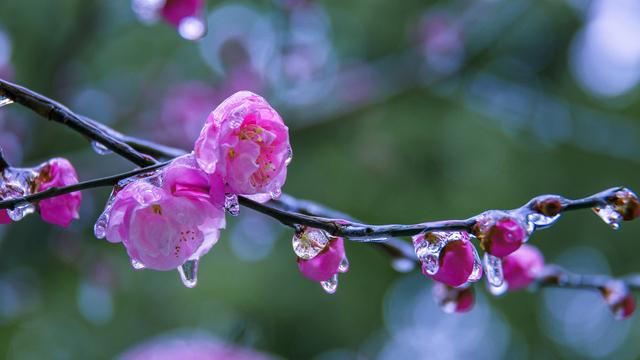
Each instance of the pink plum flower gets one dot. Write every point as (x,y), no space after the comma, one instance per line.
(501,237)
(457,260)
(326,264)
(522,267)
(246,143)
(62,209)
(163,226)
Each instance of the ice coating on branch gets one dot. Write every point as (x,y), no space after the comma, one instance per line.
(167,219)
(500,234)
(245,141)
(623,205)
(522,267)
(448,257)
(308,242)
(62,209)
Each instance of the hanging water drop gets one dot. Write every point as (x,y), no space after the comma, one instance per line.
(100,227)
(20,211)
(344,265)
(137,264)
(498,290)
(476,274)
(189,273)
(609,215)
(99,148)
(493,270)
(540,221)
(287,161)
(275,194)
(5,101)
(403,265)
(309,242)
(192,28)
(231,204)
(330,286)
(431,264)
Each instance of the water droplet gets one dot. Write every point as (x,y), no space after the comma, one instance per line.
(189,273)
(476,274)
(609,215)
(287,161)
(192,28)
(100,227)
(428,250)
(137,264)
(431,264)
(309,242)
(330,286)
(4,101)
(20,211)
(99,148)
(275,194)
(493,271)
(344,265)
(540,221)
(231,204)
(498,290)
(147,10)
(403,265)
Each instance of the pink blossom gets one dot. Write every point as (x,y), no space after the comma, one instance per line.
(522,267)
(174,11)
(324,265)
(4,217)
(245,141)
(453,299)
(164,226)
(456,263)
(62,209)
(504,237)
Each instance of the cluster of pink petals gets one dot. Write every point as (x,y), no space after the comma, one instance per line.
(522,267)
(326,264)
(62,209)
(246,143)
(166,220)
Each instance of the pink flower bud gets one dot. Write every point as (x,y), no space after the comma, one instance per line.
(502,237)
(522,267)
(326,264)
(62,209)
(456,263)
(162,227)
(619,298)
(174,11)
(453,299)
(245,141)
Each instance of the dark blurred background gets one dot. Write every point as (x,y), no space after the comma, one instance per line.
(400,112)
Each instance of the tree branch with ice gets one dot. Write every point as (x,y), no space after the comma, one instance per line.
(169,214)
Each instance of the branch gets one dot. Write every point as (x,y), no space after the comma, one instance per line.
(89,184)
(289,210)
(556,276)
(54,111)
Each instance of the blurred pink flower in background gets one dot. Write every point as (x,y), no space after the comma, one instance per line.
(522,267)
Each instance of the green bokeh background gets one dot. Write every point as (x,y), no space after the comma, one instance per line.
(421,154)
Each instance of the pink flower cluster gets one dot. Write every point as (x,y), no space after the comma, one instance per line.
(175,214)
(451,259)
(57,172)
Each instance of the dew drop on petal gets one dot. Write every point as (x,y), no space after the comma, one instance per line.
(493,270)
(189,273)
(540,221)
(137,264)
(430,264)
(4,101)
(100,227)
(330,286)
(344,265)
(192,28)
(99,148)
(309,242)
(231,204)
(287,161)
(403,265)
(609,215)
(275,194)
